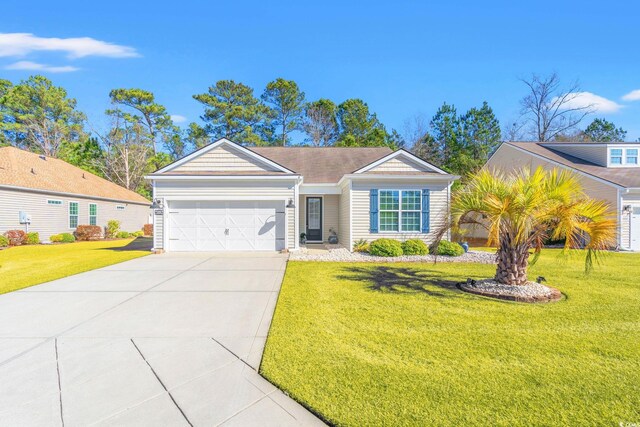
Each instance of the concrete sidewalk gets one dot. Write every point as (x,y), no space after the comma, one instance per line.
(172,339)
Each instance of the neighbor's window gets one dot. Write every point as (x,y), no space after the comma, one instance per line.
(400,210)
(616,156)
(93,214)
(120,207)
(54,202)
(632,156)
(73,214)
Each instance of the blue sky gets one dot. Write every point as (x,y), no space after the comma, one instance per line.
(403,58)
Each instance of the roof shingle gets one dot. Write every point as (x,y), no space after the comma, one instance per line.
(19,168)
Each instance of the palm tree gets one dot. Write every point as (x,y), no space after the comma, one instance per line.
(523,209)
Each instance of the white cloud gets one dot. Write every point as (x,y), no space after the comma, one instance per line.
(21,44)
(597,103)
(177,118)
(634,95)
(34,66)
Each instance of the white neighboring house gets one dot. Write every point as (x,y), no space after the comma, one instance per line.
(227,197)
(55,197)
(608,171)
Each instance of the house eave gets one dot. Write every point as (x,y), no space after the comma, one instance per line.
(222,177)
(66,194)
(406,178)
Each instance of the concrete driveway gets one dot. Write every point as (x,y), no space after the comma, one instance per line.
(173,339)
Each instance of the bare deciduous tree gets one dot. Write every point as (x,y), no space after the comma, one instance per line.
(320,122)
(551,110)
(415,129)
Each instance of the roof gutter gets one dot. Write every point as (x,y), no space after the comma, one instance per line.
(221,177)
(429,178)
(61,193)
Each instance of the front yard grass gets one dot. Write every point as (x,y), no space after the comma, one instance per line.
(360,352)
(24,266)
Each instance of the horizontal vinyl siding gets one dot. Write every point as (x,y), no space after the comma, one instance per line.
(228,190)
(54,219)
(438,209)
(330,214)
(398,164)
(597,155)
(625,224)
(344,220)
(224,159)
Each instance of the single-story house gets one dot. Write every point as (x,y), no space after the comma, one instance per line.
(229,197)
(608,172)
(50,196)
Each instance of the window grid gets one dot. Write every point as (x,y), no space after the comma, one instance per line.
(120,208)
(632,156)
(616,156)
(93,214)
(400,210)
(73,214)
(54,202)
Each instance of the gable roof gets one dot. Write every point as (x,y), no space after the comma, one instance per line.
(323,164)
(19,168)
(623,177)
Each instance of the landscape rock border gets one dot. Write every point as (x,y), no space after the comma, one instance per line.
(532,292)
(341,254)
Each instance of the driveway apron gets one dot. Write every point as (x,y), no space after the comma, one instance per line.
(163,340)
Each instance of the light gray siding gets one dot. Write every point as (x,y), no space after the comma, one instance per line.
(344,220)
(590,153)
(54,219)
(625,219)
(438,208)
(224,159)
(225,190)
(398,164)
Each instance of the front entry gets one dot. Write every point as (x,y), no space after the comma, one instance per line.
(314,219)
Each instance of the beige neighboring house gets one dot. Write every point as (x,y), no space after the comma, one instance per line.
(227,197)
(609,172)
(50,196)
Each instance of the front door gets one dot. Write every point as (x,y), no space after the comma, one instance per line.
(314,219)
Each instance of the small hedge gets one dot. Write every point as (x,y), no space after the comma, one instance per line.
(63,238)
(449,248)
(137,234)
(415,247)
(33,238)
(88,232)
(4,242)
(385,247)
(16,237)
(147,229)
(123,235)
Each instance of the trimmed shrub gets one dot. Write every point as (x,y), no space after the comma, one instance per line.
(33,238)
(123,235)
(137,234)
(68,238)
(449,248)
(56,238)
(385,247)
(88,232)
(361,245)
(16,237)
(112,228)
(4,242)
(147,229)
(415,247)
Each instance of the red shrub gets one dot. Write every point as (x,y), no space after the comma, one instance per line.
(88,232)
(16,237)
(147,229)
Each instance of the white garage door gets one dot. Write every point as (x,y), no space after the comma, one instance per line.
(226,226)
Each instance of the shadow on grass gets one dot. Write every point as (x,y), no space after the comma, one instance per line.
(403,279)
(138,244)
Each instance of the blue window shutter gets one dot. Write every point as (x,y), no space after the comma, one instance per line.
(425,210)
(373,210)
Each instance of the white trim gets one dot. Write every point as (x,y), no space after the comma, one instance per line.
(320,189)
(406,178)
(350,247)
(556,163)
(316,196)
(397,153)
(60,193)
(221,177)
(296,217)
(223,197)
(399,230)
(89,212)
(218,143)
(76,215)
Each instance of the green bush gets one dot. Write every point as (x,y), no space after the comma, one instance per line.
(449,248)
(67,238)
(4,242)
(137,234)
(112,229)
(33,238)
(415,247)
(385,247)
(56,238)
(361,245)
(123,235)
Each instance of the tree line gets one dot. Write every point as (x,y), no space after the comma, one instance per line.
(141,137)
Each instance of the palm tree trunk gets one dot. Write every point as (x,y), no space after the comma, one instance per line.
(513,261)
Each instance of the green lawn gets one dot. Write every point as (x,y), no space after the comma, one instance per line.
(423,353)
(25,266)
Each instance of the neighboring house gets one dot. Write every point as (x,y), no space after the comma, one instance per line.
(608,171)
(229,197)
(57,196)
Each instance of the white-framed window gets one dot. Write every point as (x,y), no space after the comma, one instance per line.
(73,214)
(615,156)
(54,202)
(93,214)
(400,211)
(632,156)
(120,207)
